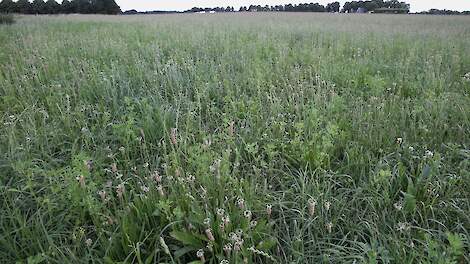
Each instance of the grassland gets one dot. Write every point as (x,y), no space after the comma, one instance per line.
(235,138)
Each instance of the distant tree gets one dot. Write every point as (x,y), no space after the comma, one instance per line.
(38,7)
(7,6)
(82,6)
(243,9)
(110,7)
(333,7)
(66,7)
(52,7)
(24,7)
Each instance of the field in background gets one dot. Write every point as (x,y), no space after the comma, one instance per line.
(231,138)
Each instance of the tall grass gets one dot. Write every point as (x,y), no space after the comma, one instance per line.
(267,138)
(6,19)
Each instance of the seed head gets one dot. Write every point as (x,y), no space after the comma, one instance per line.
(329,225)
(173,136)
(160,190)
(88,242)
(114,168)
(253,224)
(120,189)
(247,214)
(81,181)
(311,206)
(209,234)
(220,212)
(241,203)
(156,176)
(269,210)
(200,255)
(102,194)
(227,249)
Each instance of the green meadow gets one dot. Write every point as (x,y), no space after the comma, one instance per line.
(235,138)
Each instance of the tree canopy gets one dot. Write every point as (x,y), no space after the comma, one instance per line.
(66,7)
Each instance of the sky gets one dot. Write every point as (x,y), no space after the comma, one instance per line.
(146,5)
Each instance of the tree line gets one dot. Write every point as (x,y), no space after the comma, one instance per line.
(66,7)
(349,7)
(373,5)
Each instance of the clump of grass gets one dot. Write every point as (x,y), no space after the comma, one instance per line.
(7,19)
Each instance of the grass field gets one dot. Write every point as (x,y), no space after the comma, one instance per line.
(235,138)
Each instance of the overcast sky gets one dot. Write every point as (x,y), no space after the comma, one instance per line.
(145,5)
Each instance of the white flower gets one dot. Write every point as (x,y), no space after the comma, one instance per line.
(253,223)
(247,214)
(428,154)
(88,242)
(220,212)
(399,140)
(398,206)
(200,255)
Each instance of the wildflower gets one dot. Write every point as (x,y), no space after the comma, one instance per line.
(239,233)
(120,189)
(88,242)
(399,140)
(209,234)
(327,205)
(220,212)
(253,224)
(311,206)
(200,255)
(411,149)
(122,149)
(224,261)
(241,203)
(222,227)
(160,190)
(227,249)
(114,168)
(207,221)
(81,180)
(328,226)
(146,164)
(269,210)
(173,136)
(247,214)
